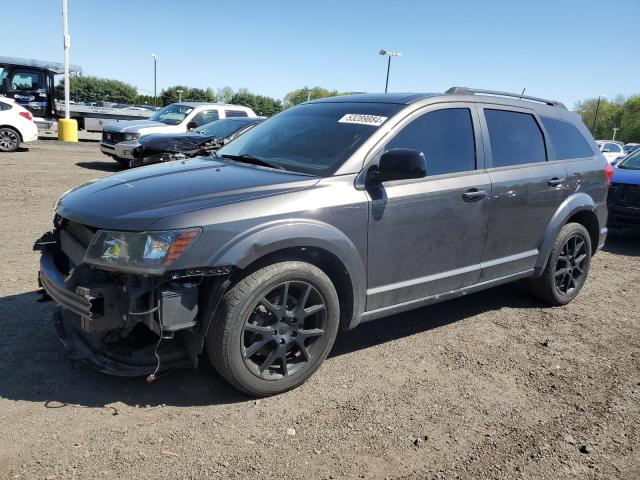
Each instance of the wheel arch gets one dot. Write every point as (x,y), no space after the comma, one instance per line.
(579,208)
(315,242)
(15,129)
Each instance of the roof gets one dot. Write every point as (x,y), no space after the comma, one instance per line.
(26,62)
(454,93)
(397,98)
(200,104)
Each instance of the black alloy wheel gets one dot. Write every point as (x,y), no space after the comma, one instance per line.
(570,264)
(274,327)
(284,330)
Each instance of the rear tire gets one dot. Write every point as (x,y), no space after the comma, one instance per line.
(567,268)
(274,328)
(9,139)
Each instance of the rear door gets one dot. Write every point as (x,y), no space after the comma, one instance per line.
(426,235)
(527,189)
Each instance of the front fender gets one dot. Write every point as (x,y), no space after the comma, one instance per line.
(575,203)
(251,245)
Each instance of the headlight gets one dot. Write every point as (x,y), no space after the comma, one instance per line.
(150,252)
(131,136)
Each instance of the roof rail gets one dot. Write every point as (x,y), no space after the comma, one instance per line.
(471,91)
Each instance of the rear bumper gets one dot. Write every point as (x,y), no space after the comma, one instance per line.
(29,133)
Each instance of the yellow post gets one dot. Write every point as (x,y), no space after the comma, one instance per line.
(67,130)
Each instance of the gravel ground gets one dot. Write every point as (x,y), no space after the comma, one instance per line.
(493,385)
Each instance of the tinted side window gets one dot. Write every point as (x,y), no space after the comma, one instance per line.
(515,138)
(566,140)
(444,136)
(205,117)
(235,113)
(4,106)
(612,147)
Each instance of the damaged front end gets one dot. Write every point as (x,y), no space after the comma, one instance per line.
(129,320)
(171,149)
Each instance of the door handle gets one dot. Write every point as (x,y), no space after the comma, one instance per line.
(556,182)
(473,195)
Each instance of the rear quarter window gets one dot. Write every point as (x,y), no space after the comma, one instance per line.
(234,113)
(4,106)
(516,138)
(566,140)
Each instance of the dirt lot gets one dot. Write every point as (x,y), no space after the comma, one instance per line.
(490,386)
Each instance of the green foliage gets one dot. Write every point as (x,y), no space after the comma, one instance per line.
(304,94)
(93,89)
(265,106)
(622,113)
(171,95)
(144,100)
(225,94)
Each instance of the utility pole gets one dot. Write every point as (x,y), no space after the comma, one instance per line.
(615,130)
(595,118)
(179,95)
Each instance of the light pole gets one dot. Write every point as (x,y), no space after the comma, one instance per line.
(385,52)
(595,117)
(155,75)
(615,130)
(179,95)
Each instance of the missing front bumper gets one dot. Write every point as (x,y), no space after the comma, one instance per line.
(124,358)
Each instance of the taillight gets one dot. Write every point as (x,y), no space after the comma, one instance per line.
(26,115)
(608,173)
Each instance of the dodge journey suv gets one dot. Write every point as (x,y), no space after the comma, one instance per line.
(332,213)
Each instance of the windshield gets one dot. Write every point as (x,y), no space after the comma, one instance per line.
(220,128)
(632,162)
(314,138)
(172,114)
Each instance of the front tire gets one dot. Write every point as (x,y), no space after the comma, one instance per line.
(274,328)
(9,139)
(567,268)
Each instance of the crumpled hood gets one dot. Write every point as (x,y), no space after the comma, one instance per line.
(135,199)
(628,176)
(182,142)
(136,126)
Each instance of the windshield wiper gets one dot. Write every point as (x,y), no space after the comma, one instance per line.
(252,160)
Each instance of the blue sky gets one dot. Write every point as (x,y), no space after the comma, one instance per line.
(562,49)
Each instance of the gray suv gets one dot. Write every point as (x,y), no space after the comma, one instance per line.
(329,214)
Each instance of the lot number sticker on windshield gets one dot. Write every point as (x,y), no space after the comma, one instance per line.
(362,119)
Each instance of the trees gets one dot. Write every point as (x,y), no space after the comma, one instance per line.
(93,89)
(622,113)
(304,94)
(189,94)
(265,106)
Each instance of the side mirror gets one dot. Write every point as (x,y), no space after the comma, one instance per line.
(192,125)
(398,164)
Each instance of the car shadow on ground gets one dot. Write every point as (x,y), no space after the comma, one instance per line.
(35,366)
(623,242)
(108,166)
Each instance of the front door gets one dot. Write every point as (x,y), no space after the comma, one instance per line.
(426,235)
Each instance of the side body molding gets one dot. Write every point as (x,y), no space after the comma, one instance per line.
(264,239)
(575,203)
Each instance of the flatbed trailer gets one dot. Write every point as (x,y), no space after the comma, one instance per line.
(31,84)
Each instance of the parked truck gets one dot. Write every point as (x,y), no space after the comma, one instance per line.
(30,83)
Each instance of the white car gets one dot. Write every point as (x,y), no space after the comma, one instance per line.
(16,125)
(611,150)
(119,139)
